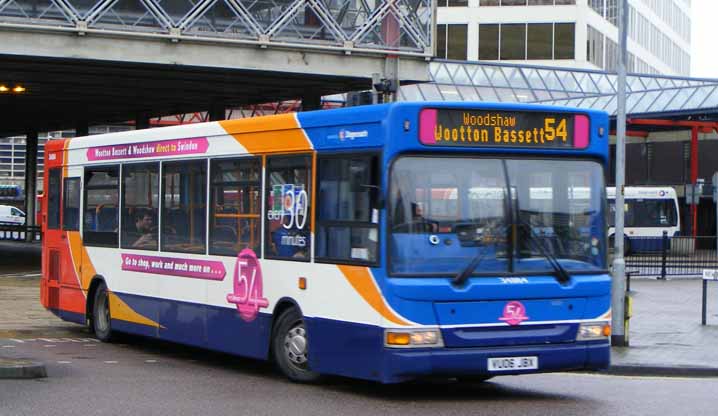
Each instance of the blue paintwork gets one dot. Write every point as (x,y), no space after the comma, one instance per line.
(356,350)
(216,328)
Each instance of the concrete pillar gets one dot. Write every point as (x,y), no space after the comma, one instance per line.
(311,102)
(142,121)
(30,180)
(217,111)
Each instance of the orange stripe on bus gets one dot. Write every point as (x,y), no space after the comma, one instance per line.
(85,270)
(120,310)
(362,281)
(64,157)
(268,134)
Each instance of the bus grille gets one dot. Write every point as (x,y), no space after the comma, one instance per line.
(54,266)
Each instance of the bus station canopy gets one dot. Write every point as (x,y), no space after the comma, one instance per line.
(647,96)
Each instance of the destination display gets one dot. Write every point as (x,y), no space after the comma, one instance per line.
(495,128)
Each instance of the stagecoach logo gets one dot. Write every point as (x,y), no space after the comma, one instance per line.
(247,286)
(343,135)
(514,313)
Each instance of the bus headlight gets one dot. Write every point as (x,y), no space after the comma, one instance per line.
(424,338)
(592,331)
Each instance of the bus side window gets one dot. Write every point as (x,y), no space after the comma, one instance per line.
(100,218)
(184,214)
(140,206)
(287,212)
(347,212)
(53,199)
(71,205)
(235,205)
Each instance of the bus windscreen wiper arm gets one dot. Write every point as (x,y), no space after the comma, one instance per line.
(460,278)
(563,275)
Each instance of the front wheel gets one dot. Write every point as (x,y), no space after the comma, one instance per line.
(101,321)
(290,346)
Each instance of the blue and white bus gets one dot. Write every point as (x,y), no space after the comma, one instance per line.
(387,242)
(649,212)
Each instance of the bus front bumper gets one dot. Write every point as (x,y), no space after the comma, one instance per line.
(406,364)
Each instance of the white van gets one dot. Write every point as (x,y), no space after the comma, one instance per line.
(10,215)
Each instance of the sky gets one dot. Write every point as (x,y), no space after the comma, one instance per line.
(704,36)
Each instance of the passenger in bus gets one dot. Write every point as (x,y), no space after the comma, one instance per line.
(144,232)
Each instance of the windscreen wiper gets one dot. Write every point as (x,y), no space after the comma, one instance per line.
(562,274)
(460,278)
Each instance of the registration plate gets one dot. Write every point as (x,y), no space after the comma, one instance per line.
(513,363)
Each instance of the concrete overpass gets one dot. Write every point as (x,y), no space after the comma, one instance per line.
(84,62)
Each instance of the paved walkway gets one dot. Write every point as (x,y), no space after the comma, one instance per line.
(665,334)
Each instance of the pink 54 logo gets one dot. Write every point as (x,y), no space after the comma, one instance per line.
(247,286)
(514,313)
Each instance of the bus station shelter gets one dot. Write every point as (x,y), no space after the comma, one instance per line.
(672,122)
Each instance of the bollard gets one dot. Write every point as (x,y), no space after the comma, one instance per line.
(664,253)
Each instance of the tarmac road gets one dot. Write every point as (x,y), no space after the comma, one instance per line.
(143,377)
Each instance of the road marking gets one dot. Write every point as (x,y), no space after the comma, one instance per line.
(64,362)
(89,345)
(55,340)
(49,346)
(8,346)
(110,362)
(150,361)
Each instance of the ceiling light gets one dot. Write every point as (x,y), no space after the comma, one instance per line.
(4,88)
(19,89)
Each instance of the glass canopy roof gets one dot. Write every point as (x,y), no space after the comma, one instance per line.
(481,81)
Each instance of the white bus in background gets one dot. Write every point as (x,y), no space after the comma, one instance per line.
(649,211)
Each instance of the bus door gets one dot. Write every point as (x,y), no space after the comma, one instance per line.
(53,242)
(71,279)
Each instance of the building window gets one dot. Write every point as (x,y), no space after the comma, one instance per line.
(53,199)
(564,38)
(489,42)
(540,41)
(184,196)
(100,220)
(71,204)
(236,205)
(594,47)
(453,3)
(490,3)
(545,41)
(513,42)
(140,206)
(347,212)
(612,57)
(288,219)
(451,41)
(513,2)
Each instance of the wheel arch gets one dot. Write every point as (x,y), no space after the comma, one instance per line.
(96,281)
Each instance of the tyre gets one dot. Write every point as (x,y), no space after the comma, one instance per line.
(101,322)
(626,245)
(290,347)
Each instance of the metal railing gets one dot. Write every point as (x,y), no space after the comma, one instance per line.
(670,256)
(20,233)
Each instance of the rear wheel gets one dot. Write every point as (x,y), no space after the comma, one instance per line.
(101,321)
(290,346)
(626,245)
